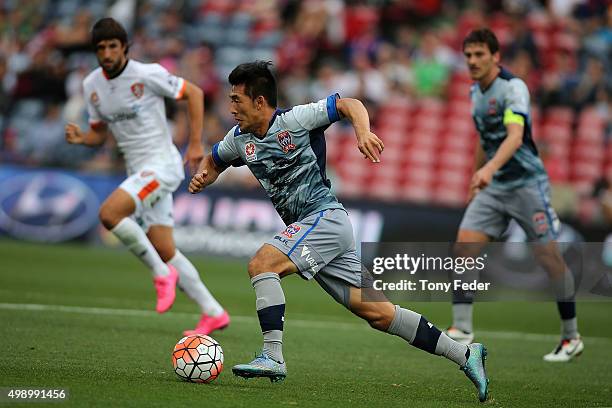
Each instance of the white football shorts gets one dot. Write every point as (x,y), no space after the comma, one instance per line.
(152,188)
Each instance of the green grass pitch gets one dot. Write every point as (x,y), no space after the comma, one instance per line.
(82,318)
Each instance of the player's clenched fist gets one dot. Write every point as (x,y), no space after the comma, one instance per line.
(73,134)
(198,182)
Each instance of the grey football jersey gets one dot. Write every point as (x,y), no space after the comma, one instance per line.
(506,96)
(289,161)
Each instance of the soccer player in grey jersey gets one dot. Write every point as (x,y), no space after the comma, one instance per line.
(510,182)
(285,150)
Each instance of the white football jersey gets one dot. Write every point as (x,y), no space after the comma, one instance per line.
(132,105)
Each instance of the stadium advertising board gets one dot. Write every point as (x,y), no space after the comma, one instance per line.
(51,205)
(46,206)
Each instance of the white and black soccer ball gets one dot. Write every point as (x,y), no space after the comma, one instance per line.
(197,358)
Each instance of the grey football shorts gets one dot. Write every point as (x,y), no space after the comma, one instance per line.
(322,246)
(493,208)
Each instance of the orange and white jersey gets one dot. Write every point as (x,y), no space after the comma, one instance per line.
(132,105)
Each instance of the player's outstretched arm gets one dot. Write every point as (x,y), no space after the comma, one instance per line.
(195,106)
(94,137)
(206,174)
(368,143)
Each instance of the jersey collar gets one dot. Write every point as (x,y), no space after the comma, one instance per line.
(108,78)
(501,69)
(277,112)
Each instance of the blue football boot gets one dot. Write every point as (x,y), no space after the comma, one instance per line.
(262,366)
(474,369)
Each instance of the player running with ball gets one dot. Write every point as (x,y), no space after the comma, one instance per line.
(126,98)
(285,150)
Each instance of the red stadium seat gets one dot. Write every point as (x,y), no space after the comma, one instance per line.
(449,195)
(591,117)
(457,160)
(591,134)
(556,132)
(559,116)
(419,174)
(416,192)
(591,152)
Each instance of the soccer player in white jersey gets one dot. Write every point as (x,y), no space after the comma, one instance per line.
(126,98)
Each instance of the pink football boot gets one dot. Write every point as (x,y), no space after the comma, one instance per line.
(165,286)
(209,324)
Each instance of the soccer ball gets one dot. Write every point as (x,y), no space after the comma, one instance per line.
(197,358)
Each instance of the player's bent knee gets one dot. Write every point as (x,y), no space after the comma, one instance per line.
(166,252)
(551,261)
(253,267)
(270,259)
(380,321)
(108,217)
(377,316)
(258,265)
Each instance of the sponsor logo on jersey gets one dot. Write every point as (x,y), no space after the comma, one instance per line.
(137,89)
(281,239)
(94,98)
(540,223)
(250,151)
(173,80)
(284,139)
(291,230)
(146,173)
(120,117)
(314,265)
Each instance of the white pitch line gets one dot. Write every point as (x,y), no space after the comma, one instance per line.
(101,311)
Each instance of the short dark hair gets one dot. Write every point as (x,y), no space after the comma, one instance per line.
(482,36)
(257,79)
(108,29)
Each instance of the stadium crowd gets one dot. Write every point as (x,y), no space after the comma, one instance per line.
(402,58)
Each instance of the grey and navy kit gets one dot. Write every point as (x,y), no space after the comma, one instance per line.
(520,189)
(289,162)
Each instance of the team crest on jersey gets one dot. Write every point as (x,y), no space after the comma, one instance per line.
(492,106)
(94,98)
(284,139)
(291,230)
(250,151)
(137,89)
(540,223)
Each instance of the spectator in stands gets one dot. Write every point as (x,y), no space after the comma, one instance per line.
(591,83)
(319,47)
(395,65)
(44,78)
(522,66)
(4,96)
(522,42)
(431,66)
(40,142)
(75,36)
(603,192)
(372,88)
(557,81)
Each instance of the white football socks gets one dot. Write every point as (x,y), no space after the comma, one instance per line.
(135,239)
(462,317)
(192,285)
